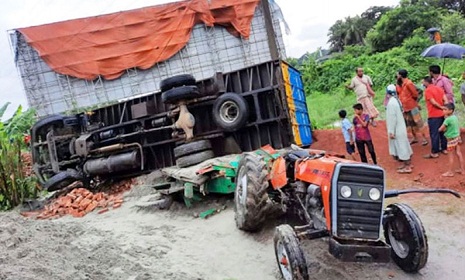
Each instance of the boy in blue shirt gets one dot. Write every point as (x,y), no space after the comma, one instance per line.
(348,133)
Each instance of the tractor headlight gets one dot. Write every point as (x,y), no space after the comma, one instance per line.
(346,191)
(374,194)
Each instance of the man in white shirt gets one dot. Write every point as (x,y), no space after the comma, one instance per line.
(362,86)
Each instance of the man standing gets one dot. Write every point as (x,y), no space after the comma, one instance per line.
(399,147)
(362,84)
(442,82)
(435,99)
(408,96)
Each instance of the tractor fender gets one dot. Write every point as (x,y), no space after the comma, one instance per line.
(278,174)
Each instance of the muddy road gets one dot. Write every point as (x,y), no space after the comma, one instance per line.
(127,243)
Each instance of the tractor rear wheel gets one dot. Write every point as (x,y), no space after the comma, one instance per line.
(251,197)
(405,233)
(289,254)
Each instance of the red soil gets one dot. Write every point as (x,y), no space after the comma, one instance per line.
(426,172)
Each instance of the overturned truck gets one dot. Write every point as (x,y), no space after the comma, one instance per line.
(119,98)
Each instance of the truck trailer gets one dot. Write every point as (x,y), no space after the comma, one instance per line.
(175,84)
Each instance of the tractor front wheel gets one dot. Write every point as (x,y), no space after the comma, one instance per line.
(289,254)
(251,197)
(404,231)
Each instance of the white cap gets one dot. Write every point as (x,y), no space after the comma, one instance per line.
(391,89)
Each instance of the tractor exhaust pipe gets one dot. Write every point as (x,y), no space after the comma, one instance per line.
(395,193)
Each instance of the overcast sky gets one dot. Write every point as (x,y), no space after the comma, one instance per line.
(308,20)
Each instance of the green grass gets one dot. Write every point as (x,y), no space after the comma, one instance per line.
(324,108)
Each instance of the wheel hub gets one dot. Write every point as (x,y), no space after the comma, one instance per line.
(229,112)
(400,247)
(284,263)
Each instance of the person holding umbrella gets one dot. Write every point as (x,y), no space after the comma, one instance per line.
(435,100)
(442,82)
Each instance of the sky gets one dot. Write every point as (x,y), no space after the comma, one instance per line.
(308,21)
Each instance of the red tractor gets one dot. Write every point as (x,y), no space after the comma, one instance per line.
(334,197)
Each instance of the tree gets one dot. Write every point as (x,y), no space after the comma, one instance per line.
(398,24)
(352,30)
(453,27)
(336,36)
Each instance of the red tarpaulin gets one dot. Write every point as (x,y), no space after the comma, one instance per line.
(108,44)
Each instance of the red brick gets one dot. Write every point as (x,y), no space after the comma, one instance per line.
(102,211)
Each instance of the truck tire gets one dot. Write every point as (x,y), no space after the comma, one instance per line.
(230,111)
(251,194)
(194,159)
(192,147)
(177,81)
(289,254)
(405,233)
(62,180)
(40,127)
(180,93)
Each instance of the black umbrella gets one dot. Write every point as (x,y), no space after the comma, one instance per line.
(444,50)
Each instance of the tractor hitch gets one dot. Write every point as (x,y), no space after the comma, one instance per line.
(395,193)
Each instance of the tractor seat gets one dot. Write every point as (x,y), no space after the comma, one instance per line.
(295,155)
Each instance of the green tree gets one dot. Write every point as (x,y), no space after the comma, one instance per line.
(398,24)
(336,36)
(453,27)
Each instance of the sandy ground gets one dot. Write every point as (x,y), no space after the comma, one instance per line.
(130,243)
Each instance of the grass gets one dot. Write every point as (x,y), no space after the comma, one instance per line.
(324,108)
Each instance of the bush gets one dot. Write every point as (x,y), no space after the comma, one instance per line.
(15,185)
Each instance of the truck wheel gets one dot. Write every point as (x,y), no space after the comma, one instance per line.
(194,159)
(190,148)
(62,180)
(405,233)
(251,196)
(230,111)
(40,127)
(180,93)
(177,81)
(289,255)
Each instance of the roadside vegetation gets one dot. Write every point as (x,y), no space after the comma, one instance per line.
(15,185)
(382,42)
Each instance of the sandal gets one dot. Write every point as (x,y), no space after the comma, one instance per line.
(414,141)
(429,156)
(404,171)
(424,143)
(447,174)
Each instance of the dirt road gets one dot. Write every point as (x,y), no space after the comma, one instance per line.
(129,244)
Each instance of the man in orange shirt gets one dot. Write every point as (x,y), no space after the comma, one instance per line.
(408,96)
(435,98)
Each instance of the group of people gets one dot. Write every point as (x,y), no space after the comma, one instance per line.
(403,113)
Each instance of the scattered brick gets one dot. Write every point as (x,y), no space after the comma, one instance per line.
(79,202)
(101,211)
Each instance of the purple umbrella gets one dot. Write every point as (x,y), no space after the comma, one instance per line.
(444,50)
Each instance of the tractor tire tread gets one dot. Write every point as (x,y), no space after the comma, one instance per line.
(257,200)
(295,253)
(416,259)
